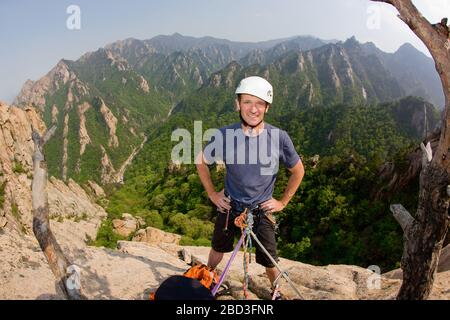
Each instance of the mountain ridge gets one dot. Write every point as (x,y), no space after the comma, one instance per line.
(142,82)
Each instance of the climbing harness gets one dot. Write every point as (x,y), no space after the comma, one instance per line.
(245,222)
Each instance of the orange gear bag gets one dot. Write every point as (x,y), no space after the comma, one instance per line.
(207,276)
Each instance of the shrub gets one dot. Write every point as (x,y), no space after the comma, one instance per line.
(191,227)
(154,219)
(18,168)
(158,201)
(106,237)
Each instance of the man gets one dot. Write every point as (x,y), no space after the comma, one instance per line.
(249,183)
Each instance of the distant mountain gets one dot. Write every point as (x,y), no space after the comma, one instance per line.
(414,71)
(101,108)
(327,75)
(263,57)
(178,64)
(105,102)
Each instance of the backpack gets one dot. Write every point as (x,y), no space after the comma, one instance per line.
(195,284)
(204,274)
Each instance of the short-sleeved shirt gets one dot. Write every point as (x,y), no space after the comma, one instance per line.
(252,163)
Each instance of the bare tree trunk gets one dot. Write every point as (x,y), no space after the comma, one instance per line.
(67,275)
(425,233)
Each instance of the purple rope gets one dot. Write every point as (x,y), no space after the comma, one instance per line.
(222,276)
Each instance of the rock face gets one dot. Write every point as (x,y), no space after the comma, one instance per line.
(127,225)
(97,191)
(34,92)
(111,122)
(16,164)
(71,201)
(25,273)
(144,84)
(84,136)
(65,199)
(108,171)
(86,110)
(105,274)
(336,282)
(155,236)
(396,179)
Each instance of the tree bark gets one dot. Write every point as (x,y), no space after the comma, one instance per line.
(425,234)
(67,275)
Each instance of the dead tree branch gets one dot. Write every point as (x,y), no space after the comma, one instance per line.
(67,275)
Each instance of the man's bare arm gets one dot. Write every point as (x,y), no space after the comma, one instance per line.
(273,205)
(218,198)
(297,173)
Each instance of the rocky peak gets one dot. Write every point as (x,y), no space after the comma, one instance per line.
(133,50)
(105,56)
(117,60)
(62,73)
(226,77)
(352,43)
(407,48)
(33,93)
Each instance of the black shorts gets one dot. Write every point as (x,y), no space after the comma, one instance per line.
(263,228)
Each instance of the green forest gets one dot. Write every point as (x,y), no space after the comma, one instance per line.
(334,218)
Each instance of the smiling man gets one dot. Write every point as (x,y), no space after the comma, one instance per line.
(251,151)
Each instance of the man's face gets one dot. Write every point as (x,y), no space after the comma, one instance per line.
(252,109)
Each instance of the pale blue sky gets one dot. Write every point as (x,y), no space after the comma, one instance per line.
(34,35)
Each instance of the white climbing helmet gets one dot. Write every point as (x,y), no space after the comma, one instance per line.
(256,86)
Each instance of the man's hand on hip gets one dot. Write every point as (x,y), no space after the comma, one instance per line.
(272,205)
(222,203)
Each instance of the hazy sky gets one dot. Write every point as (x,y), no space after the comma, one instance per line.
(34,34)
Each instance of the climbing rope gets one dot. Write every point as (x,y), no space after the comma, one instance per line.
(241,222)
(245,222)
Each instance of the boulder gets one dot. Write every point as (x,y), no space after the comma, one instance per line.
(155,236)
(125,226)
(96,189)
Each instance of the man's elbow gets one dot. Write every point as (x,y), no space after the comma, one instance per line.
(301,171)
(199,160)
(200,166)
(298,170)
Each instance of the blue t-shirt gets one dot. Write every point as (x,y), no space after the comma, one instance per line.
(252,163)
